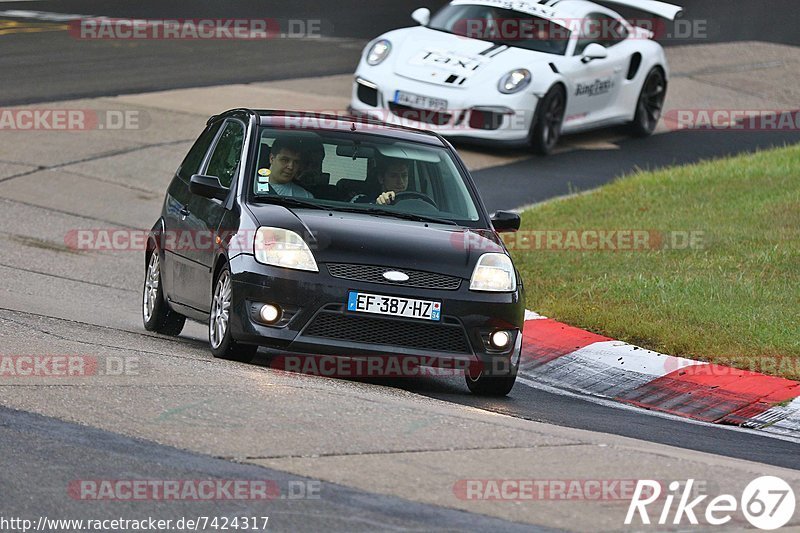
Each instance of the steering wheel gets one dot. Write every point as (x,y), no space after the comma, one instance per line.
(411,195)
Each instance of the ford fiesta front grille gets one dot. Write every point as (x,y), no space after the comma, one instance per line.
(374,274)
(418,335)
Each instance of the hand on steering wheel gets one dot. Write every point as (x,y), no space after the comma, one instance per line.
(412,195)
(385,198)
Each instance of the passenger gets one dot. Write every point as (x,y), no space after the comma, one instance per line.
(285,164)
(393,178)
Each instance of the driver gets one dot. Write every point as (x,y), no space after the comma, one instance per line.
(393,178)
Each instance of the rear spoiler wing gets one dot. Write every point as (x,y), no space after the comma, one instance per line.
(660,9)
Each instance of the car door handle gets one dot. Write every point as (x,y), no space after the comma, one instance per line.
(617,70)
(184,212)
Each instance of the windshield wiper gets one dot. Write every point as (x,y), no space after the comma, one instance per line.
(396,214)
(289,201)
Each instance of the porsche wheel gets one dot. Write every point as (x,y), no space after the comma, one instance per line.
(546,131)
(156,314)
(650,104)
(219,331)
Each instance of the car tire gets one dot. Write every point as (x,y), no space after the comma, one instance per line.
(546,129)
(156,314)
(650,104)
(489,385)
(223,346)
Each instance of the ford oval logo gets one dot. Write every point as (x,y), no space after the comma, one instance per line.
(394,275)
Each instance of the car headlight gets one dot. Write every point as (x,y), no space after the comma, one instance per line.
(514,81)
(493,273)
(378,52)
(283,248)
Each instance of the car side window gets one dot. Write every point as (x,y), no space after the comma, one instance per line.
(193,160)
(227,153)
(601,29)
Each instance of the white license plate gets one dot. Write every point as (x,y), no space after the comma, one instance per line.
(420,102)
(393,305)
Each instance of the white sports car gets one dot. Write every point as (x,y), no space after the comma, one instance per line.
(517,72)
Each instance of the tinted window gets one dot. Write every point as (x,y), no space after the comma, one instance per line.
(350,171)
(227,153)
(600,29)
(191,164)
(498,25)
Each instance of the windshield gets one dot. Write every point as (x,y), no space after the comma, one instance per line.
(351,171)
(503,26)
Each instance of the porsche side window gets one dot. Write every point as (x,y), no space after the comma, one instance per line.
(227,154)
(600,29)
(193,160)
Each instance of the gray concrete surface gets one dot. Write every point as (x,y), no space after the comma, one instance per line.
(383,440)
(50,456)
(375,439)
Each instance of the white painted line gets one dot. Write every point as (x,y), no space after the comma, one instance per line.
(618,405)
(46,16)
(781,419)
(628,357)
(530,315)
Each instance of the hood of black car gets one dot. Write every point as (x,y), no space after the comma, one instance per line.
(355,238)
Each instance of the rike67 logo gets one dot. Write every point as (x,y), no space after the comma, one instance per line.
(768,503)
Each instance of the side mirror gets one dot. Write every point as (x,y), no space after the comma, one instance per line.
(208,187)
(505,221)
(422,15)
(594,51)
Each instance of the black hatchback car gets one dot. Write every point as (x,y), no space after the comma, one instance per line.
(312,235)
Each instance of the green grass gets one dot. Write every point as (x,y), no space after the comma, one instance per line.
(734,300)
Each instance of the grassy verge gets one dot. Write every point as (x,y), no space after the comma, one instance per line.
(732,295)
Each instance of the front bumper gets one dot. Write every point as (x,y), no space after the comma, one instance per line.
(502,119)
(315,319)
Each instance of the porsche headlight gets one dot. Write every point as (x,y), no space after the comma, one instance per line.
(378,52)
(283,248)
(514,81)
(493,273)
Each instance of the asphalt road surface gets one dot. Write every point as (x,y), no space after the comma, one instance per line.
(81,302)
(38,444)
(47,63)
(533,180)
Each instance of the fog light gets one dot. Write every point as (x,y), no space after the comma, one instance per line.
(269,313)
(500,339)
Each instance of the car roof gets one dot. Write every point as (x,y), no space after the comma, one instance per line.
(549,9)
(311,121)
(567,9)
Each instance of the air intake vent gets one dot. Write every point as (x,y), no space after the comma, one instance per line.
(382,331)
(367,95)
